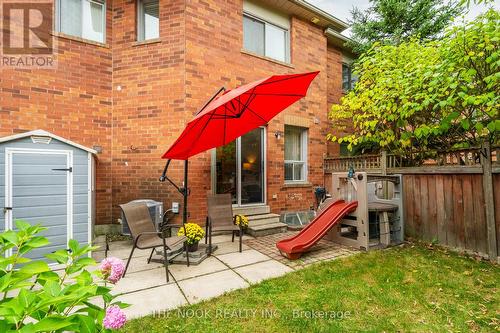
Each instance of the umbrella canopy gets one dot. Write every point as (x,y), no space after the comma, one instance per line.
(239,111)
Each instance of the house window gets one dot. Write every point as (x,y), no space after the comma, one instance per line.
(82,18)
(348,77)
(148,20)
(295,154)
(266,39)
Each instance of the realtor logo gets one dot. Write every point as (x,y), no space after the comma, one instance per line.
(27,40)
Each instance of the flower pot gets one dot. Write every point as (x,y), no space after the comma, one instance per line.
(193,247)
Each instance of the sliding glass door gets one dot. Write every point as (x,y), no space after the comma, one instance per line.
(240,169)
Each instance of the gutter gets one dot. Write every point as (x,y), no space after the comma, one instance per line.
(306,5)
(337,37)
(332,33)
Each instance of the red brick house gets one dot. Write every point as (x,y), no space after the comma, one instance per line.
(130,74)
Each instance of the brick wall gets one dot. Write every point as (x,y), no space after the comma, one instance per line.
(148,97)
(218,61)
(334,89)
(73,101)
(134,99)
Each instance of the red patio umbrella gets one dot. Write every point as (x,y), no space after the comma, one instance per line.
(237,112)
(233,114)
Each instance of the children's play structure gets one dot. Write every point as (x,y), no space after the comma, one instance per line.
(364,212)
(334,211)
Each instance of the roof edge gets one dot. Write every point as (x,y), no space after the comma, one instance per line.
(335,35)
(40,132)
(318,11)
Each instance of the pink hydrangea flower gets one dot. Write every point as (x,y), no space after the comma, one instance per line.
(115,318)
(112,269)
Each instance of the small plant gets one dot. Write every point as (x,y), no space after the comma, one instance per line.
(241,220)
(37,299)
(194,233)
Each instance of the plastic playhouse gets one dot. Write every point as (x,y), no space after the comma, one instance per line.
(364,212)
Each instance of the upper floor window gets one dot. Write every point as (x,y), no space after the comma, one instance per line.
(295,153)
(265,38)
(148,19)
(348,77)
(82,18)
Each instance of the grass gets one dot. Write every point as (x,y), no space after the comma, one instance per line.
(407,288)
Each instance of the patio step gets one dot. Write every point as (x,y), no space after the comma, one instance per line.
(252,210)
(266,229)
(261,222)
(255,220)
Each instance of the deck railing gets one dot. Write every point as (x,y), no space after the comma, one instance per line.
(468,160)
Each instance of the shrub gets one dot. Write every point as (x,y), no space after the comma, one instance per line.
(37,299)
(425,95)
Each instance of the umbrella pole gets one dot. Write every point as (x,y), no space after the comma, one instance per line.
(185,211)
(185,193)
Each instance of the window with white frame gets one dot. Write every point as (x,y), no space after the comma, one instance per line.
(148,19)
(295,154)
(265,38)
(82,18)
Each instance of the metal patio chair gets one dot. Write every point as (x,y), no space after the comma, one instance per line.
(220,218)
(146,236)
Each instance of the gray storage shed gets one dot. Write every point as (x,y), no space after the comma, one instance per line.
(49,180)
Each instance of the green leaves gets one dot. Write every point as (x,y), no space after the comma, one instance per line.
(392,22)
(86,324)
(48,324)
(25,298)
(33,268)
(60,256)
(37,299)
(425,94)
(9,237)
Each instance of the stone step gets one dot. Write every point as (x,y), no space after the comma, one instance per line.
(262,216)
(266,229)
(252,210)
(254,220)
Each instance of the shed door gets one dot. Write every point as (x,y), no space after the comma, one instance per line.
(39,192)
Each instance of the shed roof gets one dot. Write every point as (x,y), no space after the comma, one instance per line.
(46,134)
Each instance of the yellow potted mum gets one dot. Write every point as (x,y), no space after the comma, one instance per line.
(194,233)
(241,220)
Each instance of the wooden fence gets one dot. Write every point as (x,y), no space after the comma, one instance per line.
(453,198)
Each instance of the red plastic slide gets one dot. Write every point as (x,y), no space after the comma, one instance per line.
(293,247)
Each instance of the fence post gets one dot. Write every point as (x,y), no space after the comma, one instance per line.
(489,203)
(383,163)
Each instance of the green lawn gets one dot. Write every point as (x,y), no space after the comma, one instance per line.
(408,288)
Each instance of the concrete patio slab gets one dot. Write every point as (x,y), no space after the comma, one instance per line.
(229,247)
(211,285)
(124,252)
(146,302)
(222,238)
(141,280)
(138,264)
(263,270)
(237,259)
(209,265)
(227,269)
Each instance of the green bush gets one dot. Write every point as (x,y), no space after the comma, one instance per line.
(426,95)
(37,299)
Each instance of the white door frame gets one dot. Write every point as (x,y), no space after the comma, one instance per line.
(238,170)
(9,152)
